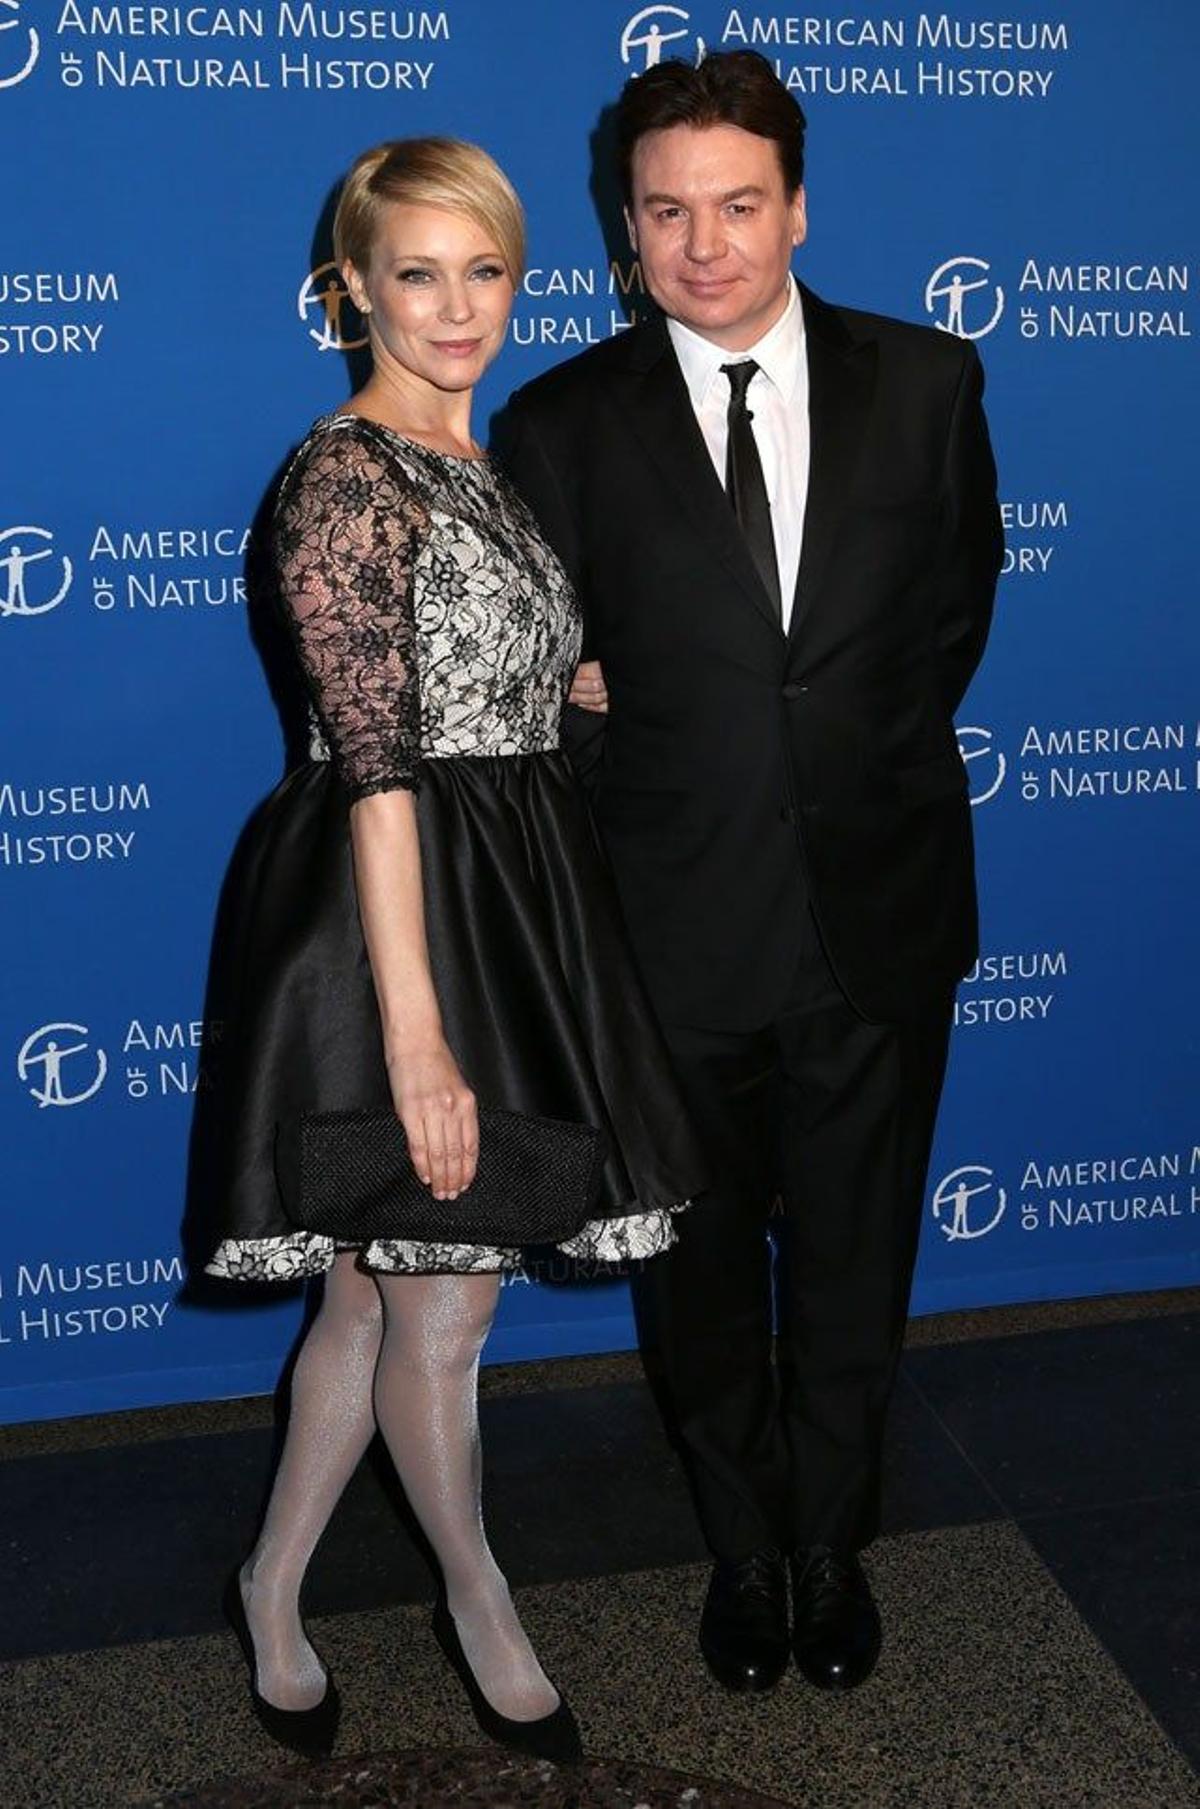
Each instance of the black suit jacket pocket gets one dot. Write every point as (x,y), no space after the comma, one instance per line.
(944,776)
(641,809)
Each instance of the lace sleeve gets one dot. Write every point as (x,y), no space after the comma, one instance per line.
(347,529)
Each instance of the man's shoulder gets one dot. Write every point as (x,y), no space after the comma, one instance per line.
(906,340)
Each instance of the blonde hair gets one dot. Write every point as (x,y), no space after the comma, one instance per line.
(428,172)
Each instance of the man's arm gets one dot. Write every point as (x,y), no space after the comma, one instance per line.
(533,470)
(972,540)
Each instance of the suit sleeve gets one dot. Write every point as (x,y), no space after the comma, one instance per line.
(972,541)
(541,480)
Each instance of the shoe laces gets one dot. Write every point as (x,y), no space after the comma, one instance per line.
(825,1573)
(757,1575)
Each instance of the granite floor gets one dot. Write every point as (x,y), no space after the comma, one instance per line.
(1038,1577)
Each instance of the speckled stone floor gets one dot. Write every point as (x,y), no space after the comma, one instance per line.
(1038,1579)
(457,1778)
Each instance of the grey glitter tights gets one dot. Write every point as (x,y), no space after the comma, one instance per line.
(400,1352)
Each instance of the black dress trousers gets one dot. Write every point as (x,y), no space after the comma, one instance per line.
(827,1121)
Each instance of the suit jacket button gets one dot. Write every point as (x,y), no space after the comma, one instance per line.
(792,690)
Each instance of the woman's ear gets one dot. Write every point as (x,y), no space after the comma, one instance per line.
(356,287)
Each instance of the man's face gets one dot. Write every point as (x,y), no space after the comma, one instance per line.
(714,229)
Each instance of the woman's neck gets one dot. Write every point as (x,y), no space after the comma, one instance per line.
(418,410)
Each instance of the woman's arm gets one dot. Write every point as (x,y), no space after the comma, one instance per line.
(347,531)
(432,1100)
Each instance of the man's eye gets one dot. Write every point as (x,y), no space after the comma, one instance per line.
(668,213)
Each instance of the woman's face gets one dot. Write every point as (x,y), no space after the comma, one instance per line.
(437,293)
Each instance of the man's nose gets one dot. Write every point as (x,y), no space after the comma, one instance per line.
(706,238)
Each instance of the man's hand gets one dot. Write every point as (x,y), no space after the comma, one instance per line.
(587,689)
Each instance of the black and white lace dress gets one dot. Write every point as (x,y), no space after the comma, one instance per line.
(438,635)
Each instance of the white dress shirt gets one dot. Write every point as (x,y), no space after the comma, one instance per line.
(778,399)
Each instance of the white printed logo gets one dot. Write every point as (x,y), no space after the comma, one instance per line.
(653,28)
(325,289)
(31,57)
(48,1049)
(953,281)
(19,549)
(994,768)
(967,1207)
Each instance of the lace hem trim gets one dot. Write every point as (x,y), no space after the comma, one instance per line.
(305,1253)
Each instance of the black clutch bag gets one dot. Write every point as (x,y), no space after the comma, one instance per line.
(536,1181)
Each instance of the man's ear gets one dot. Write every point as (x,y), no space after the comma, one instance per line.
(631,229)
(799,213)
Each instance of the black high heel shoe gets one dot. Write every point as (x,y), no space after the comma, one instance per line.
(554,1736)
(309,1731)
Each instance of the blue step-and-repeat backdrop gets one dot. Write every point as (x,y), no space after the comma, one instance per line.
(170,323)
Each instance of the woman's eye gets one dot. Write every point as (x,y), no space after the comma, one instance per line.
(414,277)
(488,273)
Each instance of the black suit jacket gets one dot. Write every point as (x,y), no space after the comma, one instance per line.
(740,771)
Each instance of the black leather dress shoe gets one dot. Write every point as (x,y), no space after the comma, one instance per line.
(836,1633)
(744,1626)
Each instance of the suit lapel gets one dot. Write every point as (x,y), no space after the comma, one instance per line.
(841,383)
(659,411)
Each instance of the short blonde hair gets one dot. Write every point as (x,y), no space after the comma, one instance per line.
(428,172)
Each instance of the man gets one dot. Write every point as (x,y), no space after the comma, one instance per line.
(781,519)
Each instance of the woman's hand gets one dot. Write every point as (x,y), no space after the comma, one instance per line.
(437,1109)
(588,691)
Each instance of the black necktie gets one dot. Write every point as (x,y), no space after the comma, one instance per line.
(745,485)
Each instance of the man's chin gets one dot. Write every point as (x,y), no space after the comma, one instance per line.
(724,312)
(725,303)
(715,314)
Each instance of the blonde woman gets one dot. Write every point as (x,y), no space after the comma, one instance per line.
(426,923)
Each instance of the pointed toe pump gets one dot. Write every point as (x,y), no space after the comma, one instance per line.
(554,1736)
(310,1731)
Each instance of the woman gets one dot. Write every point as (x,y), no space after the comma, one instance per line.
(438,636)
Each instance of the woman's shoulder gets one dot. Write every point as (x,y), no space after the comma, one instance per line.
(347,461)
(335,443)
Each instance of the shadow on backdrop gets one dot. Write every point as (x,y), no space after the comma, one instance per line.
(272,642)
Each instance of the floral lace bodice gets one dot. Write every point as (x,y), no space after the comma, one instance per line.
(430,616)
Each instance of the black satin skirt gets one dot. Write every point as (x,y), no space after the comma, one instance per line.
(540,1001)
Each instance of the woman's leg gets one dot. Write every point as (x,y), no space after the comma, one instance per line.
(427,1410)
(330,1425)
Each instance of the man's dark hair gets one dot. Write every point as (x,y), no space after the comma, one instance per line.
(729,88)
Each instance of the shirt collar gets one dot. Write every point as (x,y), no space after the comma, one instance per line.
(779,354)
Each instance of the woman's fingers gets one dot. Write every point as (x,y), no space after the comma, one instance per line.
(462,1143)
(588,690)
(470,1140)
(444,1144)
(418,1149)
(435,1130)
(453,1159)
